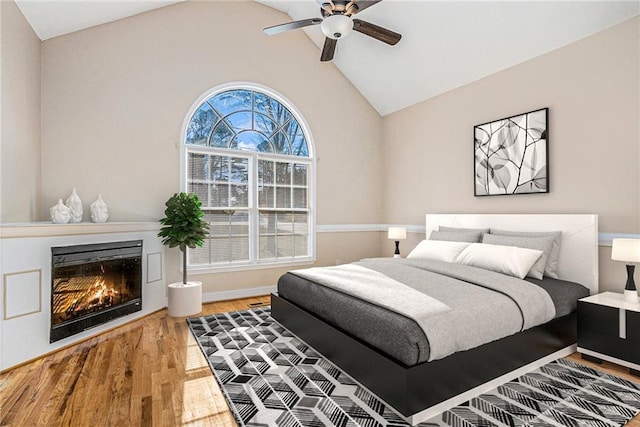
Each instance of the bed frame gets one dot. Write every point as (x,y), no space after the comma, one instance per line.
(421,391)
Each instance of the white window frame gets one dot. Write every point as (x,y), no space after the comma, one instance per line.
(255,263)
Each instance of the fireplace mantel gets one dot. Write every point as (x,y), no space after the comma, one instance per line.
(49,229)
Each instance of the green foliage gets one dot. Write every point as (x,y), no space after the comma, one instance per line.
(183,224)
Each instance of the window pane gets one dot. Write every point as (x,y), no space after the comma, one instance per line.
(264,124)
(239,249)
(239,170)
(239,223)
(300,245)
(230,236)
(219,196)
(299,197)
(299,145)
(301,223)
(265,172)
(283,197)
(281,143)
(220,169)
(272,108)
(222,135)
(300,174)
(201,125)
(251,141)
(266,197)
(239,196)
(231,100)
(199,255)
(198,167)
(283,173)
(284,246)
(202,190)
(240,121)
(220,250)
(218,224)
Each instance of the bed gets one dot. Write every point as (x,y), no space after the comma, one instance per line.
(415,384)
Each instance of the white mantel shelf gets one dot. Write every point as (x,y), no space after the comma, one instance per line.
(49,229)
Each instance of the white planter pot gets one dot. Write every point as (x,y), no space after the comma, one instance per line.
(185,299)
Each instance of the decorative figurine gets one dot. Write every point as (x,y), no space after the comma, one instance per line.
(75,205)
(99,210)
(60,214)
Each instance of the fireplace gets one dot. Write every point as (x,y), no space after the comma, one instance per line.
(93,284)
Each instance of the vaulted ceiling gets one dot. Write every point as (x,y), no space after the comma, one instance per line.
(445,44)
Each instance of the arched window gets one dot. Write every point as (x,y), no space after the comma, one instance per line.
(248,156)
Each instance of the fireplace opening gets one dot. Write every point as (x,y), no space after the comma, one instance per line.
(93,284)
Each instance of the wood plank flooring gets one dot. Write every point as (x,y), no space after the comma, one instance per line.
(147,373)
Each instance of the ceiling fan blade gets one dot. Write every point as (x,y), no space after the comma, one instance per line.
(363,4)
(376,32)
(328,50)
(291,26)
(325,4)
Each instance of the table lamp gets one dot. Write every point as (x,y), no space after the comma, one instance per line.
(397,234)
(627,250)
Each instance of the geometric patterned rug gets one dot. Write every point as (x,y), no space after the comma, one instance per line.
(272,378)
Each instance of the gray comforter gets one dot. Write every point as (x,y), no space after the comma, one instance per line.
(457,307)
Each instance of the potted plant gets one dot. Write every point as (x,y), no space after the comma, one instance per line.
(183,225)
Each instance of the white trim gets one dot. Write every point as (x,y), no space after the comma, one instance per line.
(238,293)
(606,239)
(483,388)
(609,358)
(209,269)
(49,229)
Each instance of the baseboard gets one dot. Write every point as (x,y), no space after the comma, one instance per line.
(238,293)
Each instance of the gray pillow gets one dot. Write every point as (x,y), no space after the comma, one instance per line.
(456,236)
(463,230)
(543,244)
(551,268)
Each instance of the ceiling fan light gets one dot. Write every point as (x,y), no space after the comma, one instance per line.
(336,26)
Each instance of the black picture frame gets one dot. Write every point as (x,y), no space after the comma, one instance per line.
(511,155)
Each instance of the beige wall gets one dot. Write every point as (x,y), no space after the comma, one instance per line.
(114,99)
(592,89)
(20,149)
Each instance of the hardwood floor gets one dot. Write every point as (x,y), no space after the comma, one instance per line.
(149,372)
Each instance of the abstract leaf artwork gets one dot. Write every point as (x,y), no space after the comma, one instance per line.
(511,155)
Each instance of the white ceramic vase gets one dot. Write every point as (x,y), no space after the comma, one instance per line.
(60,214)
(99,210)
(75,205)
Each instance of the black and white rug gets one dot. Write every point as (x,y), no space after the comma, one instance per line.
(272,378)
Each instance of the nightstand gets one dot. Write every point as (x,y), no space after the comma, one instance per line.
(609,329)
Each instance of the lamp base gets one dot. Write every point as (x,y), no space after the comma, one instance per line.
(631,296)
(397,256)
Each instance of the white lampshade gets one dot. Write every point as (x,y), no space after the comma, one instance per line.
(627,250)
(397,233)
(336,26)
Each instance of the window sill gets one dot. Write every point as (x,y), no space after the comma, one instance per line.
(195,270)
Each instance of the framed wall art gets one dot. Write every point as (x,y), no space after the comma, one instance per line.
(511,155)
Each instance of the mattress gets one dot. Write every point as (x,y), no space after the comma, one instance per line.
(393,334)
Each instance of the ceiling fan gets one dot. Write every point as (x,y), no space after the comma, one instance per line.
(337,22)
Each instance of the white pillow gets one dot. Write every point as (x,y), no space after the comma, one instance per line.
(509,260)
(440,250)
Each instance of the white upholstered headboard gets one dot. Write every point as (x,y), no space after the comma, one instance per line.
(578,260)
